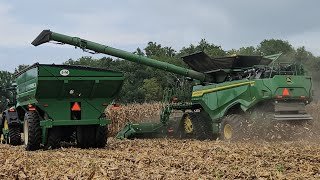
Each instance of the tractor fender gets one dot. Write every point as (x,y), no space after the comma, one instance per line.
(235,106)
(1,121)
(12,117)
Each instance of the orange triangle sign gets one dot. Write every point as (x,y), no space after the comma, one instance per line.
(76,107)
(285,92)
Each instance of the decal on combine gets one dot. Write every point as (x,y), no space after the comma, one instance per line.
(289,80)
(64,72)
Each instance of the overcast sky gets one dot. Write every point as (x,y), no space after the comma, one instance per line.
(130,24)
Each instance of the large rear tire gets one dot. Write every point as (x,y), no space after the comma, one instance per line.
(86,136)
(54,138)
(233,128)
(32,131)
(195,126)
(101,136)
(14,135)
(91,136)
(4,131)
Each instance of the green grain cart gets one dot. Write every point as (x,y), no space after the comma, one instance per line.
(60,103)
(229,93)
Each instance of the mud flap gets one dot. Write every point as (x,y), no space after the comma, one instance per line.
(292,117)
(291,112)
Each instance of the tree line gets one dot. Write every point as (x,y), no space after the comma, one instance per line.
(145,84)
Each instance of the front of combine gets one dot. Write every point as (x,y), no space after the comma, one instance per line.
(65,103)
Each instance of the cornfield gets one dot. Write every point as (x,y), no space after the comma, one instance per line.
(146,112)
(166,158)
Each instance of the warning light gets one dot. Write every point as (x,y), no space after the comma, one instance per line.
(11,110)
(76,107)
(170,130)
(285,92)
(116,106)
(174,99)
(31,108)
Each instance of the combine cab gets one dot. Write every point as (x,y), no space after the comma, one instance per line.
(230,93)
(60,103)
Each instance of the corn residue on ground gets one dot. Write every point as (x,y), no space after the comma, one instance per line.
(166,159)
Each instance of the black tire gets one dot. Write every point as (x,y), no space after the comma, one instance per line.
(32,127)
(1,127)
(86,136)
(199,126)
(14,135)
(68,134)
(54,138)
(69,137)
(101,136)
(233,128)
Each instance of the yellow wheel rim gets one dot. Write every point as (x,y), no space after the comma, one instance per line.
(5,127)
(188,127)
(227,131)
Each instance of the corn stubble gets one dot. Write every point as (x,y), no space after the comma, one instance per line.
(167,158)
(146,112)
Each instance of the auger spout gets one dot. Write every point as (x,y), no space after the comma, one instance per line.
(47,35)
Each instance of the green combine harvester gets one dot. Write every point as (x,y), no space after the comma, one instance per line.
(57,103)
(230,92)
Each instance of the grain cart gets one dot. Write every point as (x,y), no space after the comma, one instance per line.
(56,102)
(230,92)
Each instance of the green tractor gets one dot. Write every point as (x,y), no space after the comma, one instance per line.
(230,93)
(57,103)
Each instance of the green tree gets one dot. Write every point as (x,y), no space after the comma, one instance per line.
(302,55)
(6,79)
(154,49)
(210,49)
(274,46)
(152,89)
(250,50)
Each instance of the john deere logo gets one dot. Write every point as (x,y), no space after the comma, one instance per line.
(289,80)
(64,72)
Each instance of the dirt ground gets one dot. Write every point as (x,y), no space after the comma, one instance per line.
(166,159)
(171,158)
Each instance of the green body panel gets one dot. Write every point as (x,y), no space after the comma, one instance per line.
(51,123)
(53,90)
(45,82)
(217,99)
